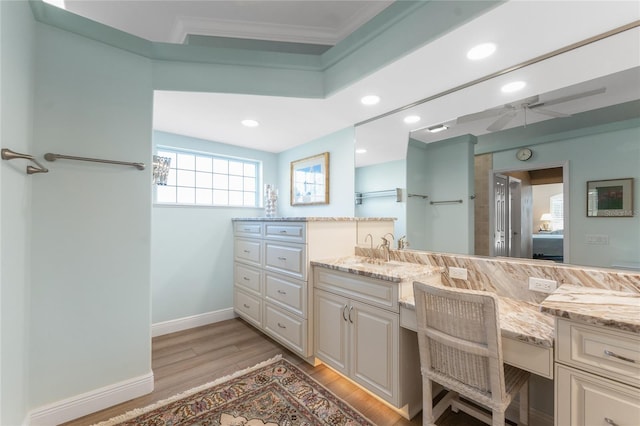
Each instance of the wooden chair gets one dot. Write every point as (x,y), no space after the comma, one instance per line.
(461,349)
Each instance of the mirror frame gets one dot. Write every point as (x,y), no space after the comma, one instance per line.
(315,168)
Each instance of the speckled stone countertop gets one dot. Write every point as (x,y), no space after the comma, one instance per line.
(393,271)
(314,219)
(519,320)
(615,309)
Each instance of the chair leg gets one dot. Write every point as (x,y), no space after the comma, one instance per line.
(498,418)
(524,404)
(427,403)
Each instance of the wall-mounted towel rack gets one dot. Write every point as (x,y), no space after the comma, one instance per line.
(52,157)
(397,192)
(7,154)
(446,202)
(424,197)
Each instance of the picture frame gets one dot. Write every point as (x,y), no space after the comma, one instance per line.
(310,180)
(610,198)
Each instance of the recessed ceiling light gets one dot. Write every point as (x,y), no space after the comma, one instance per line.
(370,100)
(481,51)
(360,151)
(410,119)
(513,86)
(436,129)
(250,123)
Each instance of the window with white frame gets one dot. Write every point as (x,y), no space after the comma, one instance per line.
(556,208)
(209,179)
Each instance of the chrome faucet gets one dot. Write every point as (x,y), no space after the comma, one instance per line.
(370,237)
(386,246)
(402,242)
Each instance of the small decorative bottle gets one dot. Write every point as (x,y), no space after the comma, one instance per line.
(270,200)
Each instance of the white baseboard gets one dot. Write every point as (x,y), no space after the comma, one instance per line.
(172,326)
(90,402)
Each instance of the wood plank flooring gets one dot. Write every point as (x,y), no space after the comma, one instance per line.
(190,358)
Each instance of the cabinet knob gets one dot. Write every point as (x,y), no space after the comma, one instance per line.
(610,422)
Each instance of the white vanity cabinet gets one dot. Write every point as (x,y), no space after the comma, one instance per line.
(597,375)
(357,333)
(272,273)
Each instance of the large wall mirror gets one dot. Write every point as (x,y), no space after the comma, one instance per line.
(510,179)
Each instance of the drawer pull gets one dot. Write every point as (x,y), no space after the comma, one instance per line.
(282,292)
(615,355)
(344,314)
(283,231)
(350,309)
(282,258)
(246,279)
(246,306)
(610,422)
(281,326)
(247,229)
(247,251)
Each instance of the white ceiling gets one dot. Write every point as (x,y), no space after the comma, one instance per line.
(302,21)
(436,67)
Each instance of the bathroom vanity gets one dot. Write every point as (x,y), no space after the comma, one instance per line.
(272,270)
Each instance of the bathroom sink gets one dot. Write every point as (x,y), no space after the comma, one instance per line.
(375,263)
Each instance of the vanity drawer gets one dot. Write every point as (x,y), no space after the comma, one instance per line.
(248,307)
(372,291)
(247,229)
(287,328)
(249,251)
(586,399)
(248,278)
(610,353)
(288,259)
(294,232)
(288,293)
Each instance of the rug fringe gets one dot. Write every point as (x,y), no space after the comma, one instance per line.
(138,411)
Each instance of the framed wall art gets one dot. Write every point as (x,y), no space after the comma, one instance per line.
(610,198)
(310,180)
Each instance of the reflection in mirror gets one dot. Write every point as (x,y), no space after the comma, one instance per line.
(581,133)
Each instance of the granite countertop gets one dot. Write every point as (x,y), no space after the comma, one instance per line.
(616,309)
(519,320)
(314,219)
(393,271)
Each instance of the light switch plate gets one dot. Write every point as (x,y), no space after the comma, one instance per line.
(458,273)
(542,285)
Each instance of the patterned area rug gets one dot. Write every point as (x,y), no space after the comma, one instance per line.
(273,393)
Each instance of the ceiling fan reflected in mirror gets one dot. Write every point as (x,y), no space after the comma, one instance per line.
(509,111)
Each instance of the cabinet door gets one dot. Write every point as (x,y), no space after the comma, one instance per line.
(374,349)
(331,330)
(584,399)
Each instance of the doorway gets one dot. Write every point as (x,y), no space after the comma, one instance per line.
(529,213)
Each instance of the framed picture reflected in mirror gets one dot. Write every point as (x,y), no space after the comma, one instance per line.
(310,180)
(610,198)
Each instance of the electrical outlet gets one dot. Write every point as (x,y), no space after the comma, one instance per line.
(458,273)
(597,239)
(542,285)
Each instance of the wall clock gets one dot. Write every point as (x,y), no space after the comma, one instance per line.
(524,154)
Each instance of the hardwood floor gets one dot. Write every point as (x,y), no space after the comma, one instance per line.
(190,358)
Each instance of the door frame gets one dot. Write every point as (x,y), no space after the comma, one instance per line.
(566,251)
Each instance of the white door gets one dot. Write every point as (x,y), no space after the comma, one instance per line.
(374,349)
(501,215)
(331,330)
(515,217)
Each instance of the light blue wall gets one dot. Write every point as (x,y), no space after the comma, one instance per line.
(192,247)
(382,177)
(16,123)
(341,184)
(445,174)
(608,152)
(90,293)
